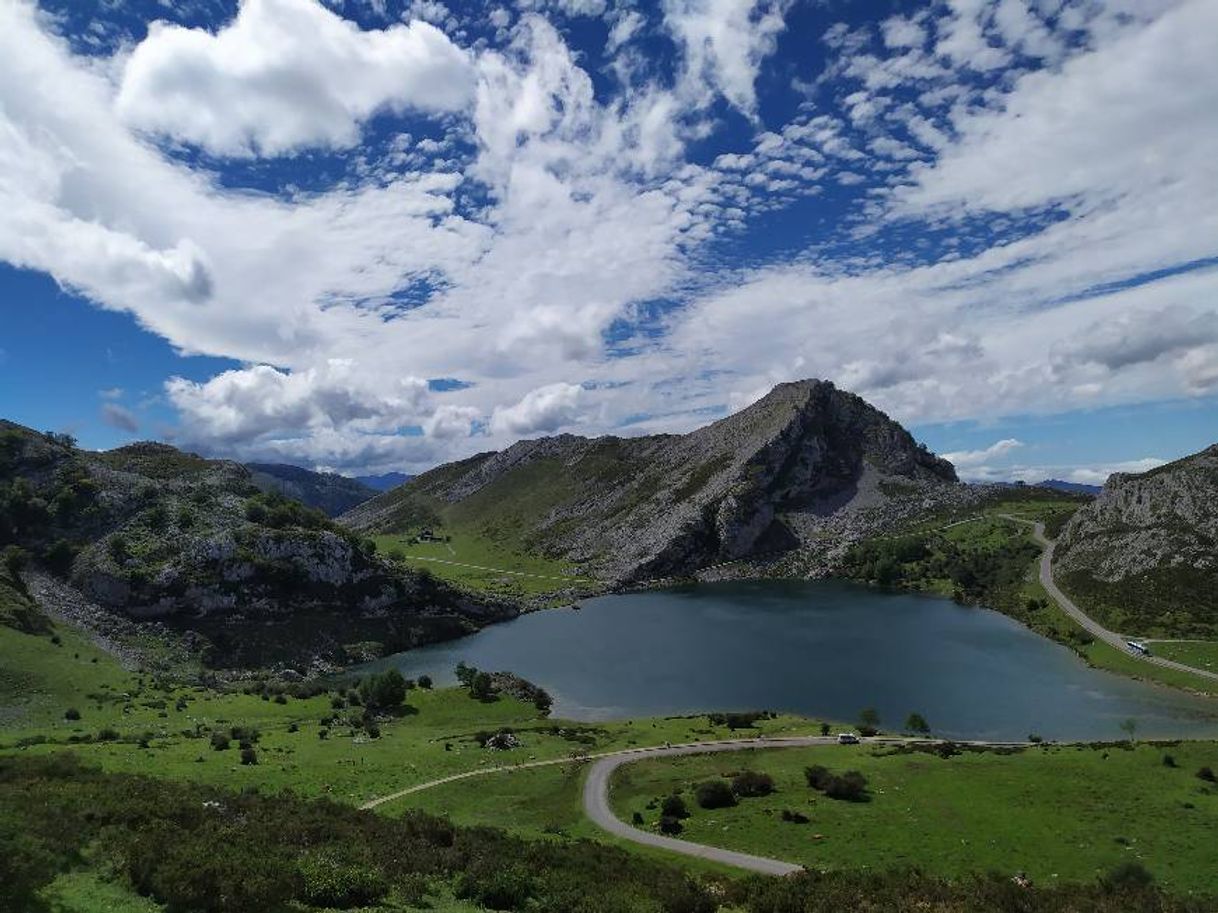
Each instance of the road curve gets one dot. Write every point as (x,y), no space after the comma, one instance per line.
(596,801)
(1090,624)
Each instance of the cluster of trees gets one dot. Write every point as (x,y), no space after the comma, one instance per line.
(479,684)
(988,571)
(723,793)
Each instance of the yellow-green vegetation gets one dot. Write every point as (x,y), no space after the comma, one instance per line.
(1203,654)
(481,564)
(1059,813)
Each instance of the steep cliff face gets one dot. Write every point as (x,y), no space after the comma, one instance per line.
(759,481)
(1144,553)
(149,532)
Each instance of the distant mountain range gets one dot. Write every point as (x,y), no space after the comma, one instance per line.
(327,491)
(1075,488)
(807,466)
(385,481)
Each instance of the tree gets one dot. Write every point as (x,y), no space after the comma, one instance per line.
(248,756)
(15,559)
(1129,727)
(670,825)
(916,723)
(674,807)
(465,673)
(869,721)
(714,794)
(850,786)
(383,691)
(424,682)
(542,701)
(71,714)
(481,688)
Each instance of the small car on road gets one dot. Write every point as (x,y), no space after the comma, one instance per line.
(847,738)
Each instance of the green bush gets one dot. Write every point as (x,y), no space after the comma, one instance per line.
(714,794)
(327,881)
(674,807)
(752,783)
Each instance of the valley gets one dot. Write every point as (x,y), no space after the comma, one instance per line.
(671,610)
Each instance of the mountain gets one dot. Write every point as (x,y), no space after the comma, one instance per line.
(1143,556)
(149,534)
(1077,488)
(385,481)
(781,475)
(329,492)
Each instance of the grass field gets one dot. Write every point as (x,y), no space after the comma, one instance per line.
(1200,653)
(1059,813)
(500,569)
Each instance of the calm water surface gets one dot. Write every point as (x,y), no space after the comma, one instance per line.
(820,648)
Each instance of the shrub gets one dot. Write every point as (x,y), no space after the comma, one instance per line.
(1169,761)
(817,776)
(1126,876)
(108,735)
(71,714)
(248,756)
(670,825)
(281,699)
(674,807)
(752,783)
(916,723)
(715,794)
(424,682)
(1207,774)
(220,741)
(850,786)
(636,819)
(330,882)
(794,817)
(481,688)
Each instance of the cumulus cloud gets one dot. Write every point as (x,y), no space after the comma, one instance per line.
(286,74)
(543,410)
(118,417)
(262,401)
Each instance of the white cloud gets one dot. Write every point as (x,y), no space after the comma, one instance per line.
(544,410)
(724,43)
(449,422)
(286,74)
(965,459)
(241,405)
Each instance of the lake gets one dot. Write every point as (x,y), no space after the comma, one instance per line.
(825,649)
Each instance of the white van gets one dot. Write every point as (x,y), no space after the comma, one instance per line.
(847,738)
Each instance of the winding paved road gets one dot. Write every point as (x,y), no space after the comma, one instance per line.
(1094,627)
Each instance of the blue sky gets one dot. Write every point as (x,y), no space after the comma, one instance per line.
(265,230)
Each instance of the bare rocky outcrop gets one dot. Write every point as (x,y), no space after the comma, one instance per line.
(1139,523)
(765,480)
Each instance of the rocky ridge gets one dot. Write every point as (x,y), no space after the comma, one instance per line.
(777,477)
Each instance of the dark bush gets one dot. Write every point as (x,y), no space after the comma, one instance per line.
(249,756)
(674,807)
(424,682)
(220,741)
(752,783)
(670,825)
(71,714)
(1207,774)
(794,817)
(383,691)
(714,794)
(818,776)
(850,786)
(331,882)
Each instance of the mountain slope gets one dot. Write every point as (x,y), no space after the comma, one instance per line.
(329,492)
(149,532)
(1143,556)
(1077,488)
(766,479)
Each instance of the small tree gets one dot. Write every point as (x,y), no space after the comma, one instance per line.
(714,794)
(850,786)
(465,673)
(481,687)
(1129,727)
(248,756)
(220,741)
(71,714)
(674,807)
(916,723)
(1207,774)
(818,776)
(383,691)
(424,682)
(869,721)
(670,825)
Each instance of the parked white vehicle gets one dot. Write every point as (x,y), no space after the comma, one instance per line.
(847,738)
